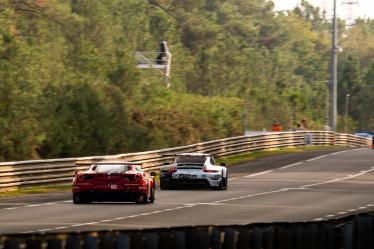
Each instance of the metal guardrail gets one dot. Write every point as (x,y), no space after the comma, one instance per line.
(56,171)
(353,232)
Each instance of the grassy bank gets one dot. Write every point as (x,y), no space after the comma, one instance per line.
(237,159)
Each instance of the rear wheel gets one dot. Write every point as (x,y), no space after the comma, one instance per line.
(152,197)
(223,183)
(142,199)
(77,198)
(80,198)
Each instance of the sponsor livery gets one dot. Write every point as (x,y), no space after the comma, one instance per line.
(193,170)
(113,181)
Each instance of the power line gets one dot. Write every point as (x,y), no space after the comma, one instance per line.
(350,6)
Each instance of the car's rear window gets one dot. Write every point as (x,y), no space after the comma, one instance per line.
(198,160)
(111,168)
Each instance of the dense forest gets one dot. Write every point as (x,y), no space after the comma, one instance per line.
(69,85)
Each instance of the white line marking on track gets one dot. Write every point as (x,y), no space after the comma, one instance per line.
(319,219)
(58,228)
(339,152)
(338,179)
(78,225)
(330,215)
(45,230)
(316,158)
(178,208)
(38,204)
(156,212)
(252,195)
(260,173)
(291,165)
(109,220)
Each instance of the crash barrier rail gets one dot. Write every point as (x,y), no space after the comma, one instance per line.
(353,232)
(57,171)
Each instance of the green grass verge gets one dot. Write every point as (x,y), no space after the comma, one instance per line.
(237,159)
(36,190)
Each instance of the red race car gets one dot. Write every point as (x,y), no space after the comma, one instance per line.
(114,181)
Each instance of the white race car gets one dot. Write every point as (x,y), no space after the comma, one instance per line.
(193,170)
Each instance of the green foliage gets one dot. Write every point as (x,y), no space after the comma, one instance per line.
(69,85)
(357,74)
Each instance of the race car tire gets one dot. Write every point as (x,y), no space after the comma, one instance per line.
(163,185)
(223,183)
(152,197)
(79,198)
(142,199)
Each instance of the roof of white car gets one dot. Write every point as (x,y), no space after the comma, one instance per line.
(193,154)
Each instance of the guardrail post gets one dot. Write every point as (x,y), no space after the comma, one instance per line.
(268,237)
(347,235)
(299,235)
(166,240)
(230,238)
(123,241)
(256,238)
(90,243)
(33,244)
(244,239)
(107,242)
(180,240)
(309,236)
(152,241)
(138,241)
(12,244)
(330,235)
(363,232)
(216,239)
(197,239)
(283,238)
(54,244)
(73,242)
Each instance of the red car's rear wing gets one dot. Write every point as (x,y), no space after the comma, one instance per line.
(80,164)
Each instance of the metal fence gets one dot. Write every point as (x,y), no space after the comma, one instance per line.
(353,232)
(56,171)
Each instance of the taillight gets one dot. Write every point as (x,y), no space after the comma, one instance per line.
(211,171)
(172,170)
(138,177)
(86,177)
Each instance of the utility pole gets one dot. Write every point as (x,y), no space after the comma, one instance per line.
(334,72)
(346,113)
(327,105)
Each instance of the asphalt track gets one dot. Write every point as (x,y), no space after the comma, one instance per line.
(308,186)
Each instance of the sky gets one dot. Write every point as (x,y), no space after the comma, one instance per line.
(364,8)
